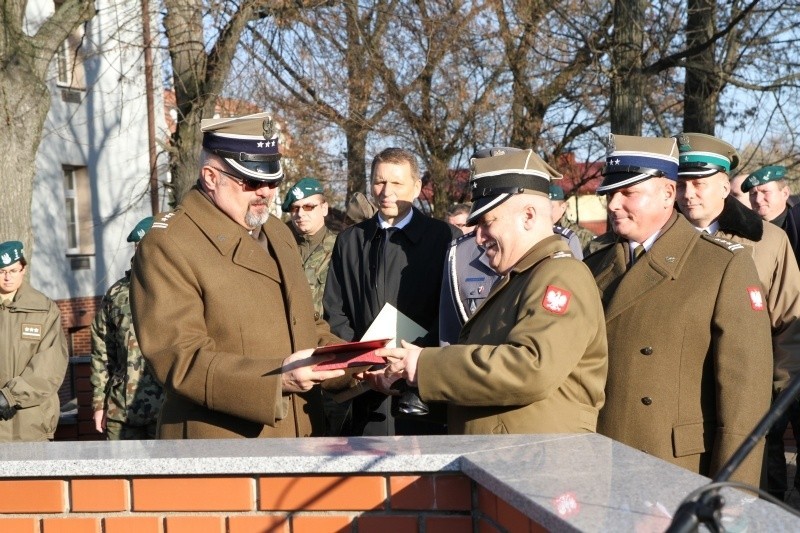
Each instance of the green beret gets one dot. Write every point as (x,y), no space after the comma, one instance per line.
(10,253)
(556,192)
(141,228)
(764,175)
(702,155)
(302,189)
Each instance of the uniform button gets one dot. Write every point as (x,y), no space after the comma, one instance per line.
(316,317)
(647,400)
(647,350)
(294,321)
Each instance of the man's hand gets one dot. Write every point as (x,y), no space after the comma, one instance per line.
(7,411)
(100,420)
(402,362)
(379,381)
(298,372)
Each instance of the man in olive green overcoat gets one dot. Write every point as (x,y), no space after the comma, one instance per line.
(533,356)
(220,300)
(690,353)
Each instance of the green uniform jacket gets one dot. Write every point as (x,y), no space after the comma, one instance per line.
(315,254)
(122,382)
(532,359)
(778,271)
(33,363)
(216,315)
(689,349)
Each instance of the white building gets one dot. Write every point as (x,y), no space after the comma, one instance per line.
(93,170)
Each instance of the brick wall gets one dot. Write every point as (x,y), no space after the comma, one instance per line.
(429,503)
(76,316)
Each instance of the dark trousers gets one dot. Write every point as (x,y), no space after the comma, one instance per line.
(776,482)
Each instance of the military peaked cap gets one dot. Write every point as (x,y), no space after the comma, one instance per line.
(248,144)
(504,172)
(632,160)
(703,155)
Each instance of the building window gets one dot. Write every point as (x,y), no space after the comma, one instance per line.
(78,211)
(69,60)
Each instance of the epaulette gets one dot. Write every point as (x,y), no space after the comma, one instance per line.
(458,240)
(162,220)
(561,254)
(564,232)
(724,243)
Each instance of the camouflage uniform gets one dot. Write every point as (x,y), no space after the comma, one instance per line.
(315,253)
(584,235)
(123,384)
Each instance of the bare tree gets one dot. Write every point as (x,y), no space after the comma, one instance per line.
(25,101)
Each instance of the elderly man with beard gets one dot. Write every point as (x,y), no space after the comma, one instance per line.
(221,307)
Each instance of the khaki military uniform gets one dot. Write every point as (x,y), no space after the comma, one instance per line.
(689,349)
(315,254)
(533,357)
(216,313)
(123,384)
(33,361)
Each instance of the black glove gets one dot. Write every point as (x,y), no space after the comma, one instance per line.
(7,412)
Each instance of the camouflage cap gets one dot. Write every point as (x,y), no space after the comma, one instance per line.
(631,160)
(302,189)
(703,155)
(140,229)
(249,144)
(556,192)
(504,173)
(764,175)
(10,253)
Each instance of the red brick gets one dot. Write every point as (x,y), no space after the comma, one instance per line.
(485,526)
(487,503)
(511,519)
(97,495)
(387,524)
(536,527)
(19,525)
(32,496)
(82,370)
(133,524)
(258,524)
(321,524)
(412,492)
(448,524)
(71,525)
(83,385)
(195,524)
(453,493)
(193,494)
(322,493)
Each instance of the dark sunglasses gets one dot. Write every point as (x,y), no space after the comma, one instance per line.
(249,184)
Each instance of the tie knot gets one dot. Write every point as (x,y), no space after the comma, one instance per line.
(638,252)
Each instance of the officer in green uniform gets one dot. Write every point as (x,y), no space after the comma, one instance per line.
(33,353)
(560,218)
(307,208)
(126,397)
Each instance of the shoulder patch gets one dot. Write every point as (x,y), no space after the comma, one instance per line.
(556,300)
(756,299)
(725,243)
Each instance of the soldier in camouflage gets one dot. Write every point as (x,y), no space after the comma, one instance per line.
(307,208)
(559,204)
(126,396)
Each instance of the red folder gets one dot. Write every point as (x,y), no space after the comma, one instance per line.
(351,354)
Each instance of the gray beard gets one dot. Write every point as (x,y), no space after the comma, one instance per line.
(254,221)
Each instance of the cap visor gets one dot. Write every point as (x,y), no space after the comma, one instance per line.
(483,205)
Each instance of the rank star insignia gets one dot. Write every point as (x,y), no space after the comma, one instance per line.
(260,144)
(756,300)
(556,300)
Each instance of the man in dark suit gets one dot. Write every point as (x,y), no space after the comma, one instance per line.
(395,257)
(690,353)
